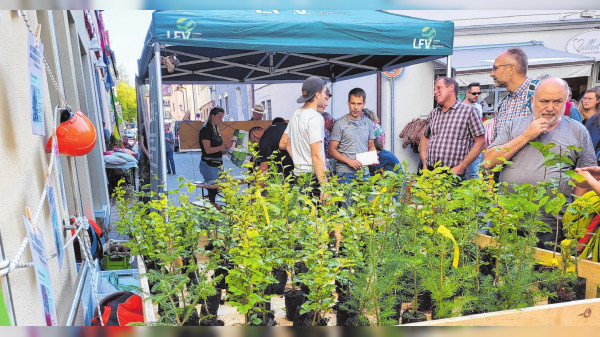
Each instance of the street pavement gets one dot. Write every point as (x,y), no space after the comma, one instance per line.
(187,165)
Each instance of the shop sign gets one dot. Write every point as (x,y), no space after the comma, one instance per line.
(587,44)
(393,73)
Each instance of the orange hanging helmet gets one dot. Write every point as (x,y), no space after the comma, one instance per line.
(76,135)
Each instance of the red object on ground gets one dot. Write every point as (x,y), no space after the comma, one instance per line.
(120,309)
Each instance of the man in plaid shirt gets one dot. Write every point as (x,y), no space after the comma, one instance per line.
(454,135)
(510,71)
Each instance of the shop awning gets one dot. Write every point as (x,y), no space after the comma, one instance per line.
(288,46)
(474,63)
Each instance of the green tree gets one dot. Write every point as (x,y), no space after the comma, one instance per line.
(127,97)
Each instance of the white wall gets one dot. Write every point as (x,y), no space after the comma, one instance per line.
(339,102)
(413,98)
(283,97)
(22,176)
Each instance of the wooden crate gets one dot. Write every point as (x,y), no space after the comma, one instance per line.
(589,270)
(577,313)
(148,307)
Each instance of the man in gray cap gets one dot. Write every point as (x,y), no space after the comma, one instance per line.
(303,138)
(258,111)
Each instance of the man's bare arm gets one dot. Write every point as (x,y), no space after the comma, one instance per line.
(478,145)
(509,149)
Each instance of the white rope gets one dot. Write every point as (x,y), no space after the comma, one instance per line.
(6,266)
(88,256)
(66,245)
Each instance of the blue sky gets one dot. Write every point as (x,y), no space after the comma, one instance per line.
(127,31)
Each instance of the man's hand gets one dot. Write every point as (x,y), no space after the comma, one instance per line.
(536,128)
(355,164)
(458,170)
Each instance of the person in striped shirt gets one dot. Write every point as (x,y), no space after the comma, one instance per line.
(510,71)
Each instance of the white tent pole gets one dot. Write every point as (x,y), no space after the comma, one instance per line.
(449,68)
(161,119)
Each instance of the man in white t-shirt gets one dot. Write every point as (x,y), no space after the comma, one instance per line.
(303,138)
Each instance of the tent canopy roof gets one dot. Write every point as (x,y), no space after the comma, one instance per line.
(288,46)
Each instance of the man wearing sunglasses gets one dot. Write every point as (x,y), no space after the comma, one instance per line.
(510,71)
(472,98)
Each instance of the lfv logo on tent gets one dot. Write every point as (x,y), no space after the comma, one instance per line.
(427,34)
(178,35)
(185,28)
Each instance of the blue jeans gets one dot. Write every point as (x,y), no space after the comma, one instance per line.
(210,173)
(473,168)
(170,162)
(346,178)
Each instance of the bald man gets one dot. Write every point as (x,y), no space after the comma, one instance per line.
(546,125)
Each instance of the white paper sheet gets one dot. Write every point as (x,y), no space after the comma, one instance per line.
(368,158)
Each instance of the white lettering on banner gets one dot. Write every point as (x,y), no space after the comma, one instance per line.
(587,44)
(422,43)
(267,12)
(179,35)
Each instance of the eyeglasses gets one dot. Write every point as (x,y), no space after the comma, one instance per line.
(495,68)
(475,93)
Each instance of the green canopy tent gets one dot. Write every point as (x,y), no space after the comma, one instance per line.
(213,47)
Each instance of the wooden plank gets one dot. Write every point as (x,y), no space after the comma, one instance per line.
(147,306)
(576,313)
(189,130)
(587,269)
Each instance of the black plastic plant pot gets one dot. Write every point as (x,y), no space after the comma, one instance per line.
(212,304)
(269,317)
(306,319)
(193,320)
(305,289)
(344,316)
(411,316)
(211,321)
(293,299)
(221,271)
(424,299)
(340,287)
(281,277)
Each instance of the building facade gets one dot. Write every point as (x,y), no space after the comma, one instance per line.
(74,72)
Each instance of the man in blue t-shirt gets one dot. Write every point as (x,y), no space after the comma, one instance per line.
(387,160)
